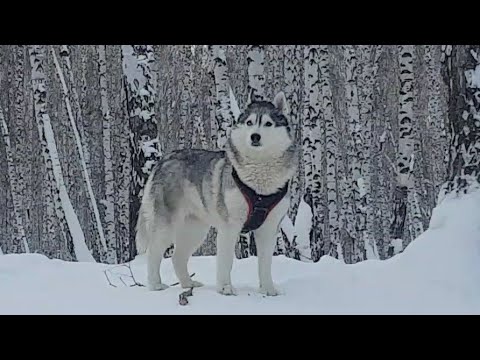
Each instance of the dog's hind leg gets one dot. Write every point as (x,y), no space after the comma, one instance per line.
(189,236)
(160,240)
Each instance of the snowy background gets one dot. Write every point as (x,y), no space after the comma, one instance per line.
(385,132)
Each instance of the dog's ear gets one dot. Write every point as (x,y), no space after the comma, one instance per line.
(280,102)
(251,96)
(234,105)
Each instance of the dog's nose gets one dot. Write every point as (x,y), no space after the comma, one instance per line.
(255,137)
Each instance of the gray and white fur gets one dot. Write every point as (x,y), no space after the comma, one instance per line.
(190,190)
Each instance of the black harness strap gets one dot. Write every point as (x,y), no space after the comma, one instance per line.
(259,206)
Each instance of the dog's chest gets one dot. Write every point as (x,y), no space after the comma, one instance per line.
(236,206)
(265,178)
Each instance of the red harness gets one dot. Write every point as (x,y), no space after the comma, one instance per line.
(259,206)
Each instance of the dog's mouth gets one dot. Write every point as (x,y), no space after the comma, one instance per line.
(256,143)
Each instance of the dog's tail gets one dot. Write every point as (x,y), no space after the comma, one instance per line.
(141,237)
(145,216)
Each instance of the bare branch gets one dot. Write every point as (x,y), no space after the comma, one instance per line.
(135,282)
(108,279)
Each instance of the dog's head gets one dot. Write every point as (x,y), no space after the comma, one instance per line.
(263,129)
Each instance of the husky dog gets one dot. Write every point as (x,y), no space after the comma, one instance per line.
(242,188)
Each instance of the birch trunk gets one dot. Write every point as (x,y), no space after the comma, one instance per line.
(20,244)
(293,83)
(20,122)
(256,71)
(186,96)
(124,180)
(436,123)
(330,151)
(312,149)
(223,112)
(461,72)
(137,62)
(275,66)
(71,116)
(354,216)
(369,58)
(405,160)
(109,201)
(71,229)
(83,133)
(22,145)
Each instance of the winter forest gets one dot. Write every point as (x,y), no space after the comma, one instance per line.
(385,131)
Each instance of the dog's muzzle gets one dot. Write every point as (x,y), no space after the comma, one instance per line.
(255,139)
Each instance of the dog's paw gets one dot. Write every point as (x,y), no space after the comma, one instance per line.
(192,284)
(270,291)
(226,290)
(157,287)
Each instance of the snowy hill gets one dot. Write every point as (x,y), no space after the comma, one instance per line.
(439,273)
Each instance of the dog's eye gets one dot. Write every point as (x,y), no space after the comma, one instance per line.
(249,123)
(268,124)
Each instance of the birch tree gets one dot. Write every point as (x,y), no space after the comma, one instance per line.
(123,180)
(256,71)
(78,141)
(169,99)
(223,113)
(293,68)
(81,106)
(65,52)
(186,96)
(436,114)
(19,121)
(20,135)
(461,71)
(238,72)
(71,229)
(20,244)
(369,60)
(354,217)
(139,80)
(313,153)
(109,201)
(330,151)
(275,69)
(385,147)
(405,159)
(199,135)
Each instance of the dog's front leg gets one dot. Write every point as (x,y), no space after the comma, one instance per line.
(226,239)
(265,240)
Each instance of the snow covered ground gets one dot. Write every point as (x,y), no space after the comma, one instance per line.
(439,273)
